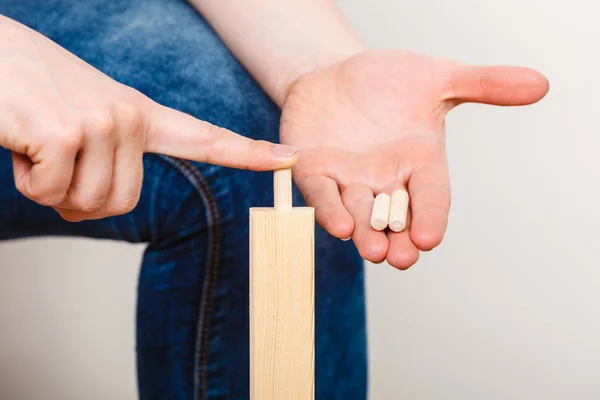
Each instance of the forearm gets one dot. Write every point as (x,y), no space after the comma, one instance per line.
(279,40)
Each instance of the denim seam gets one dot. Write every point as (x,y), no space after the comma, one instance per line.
(210,281)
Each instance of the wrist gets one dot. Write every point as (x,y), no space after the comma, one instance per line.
(279,41)
(312,62)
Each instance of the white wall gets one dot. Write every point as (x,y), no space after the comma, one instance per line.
(67,320)
(509,306)
(506,308)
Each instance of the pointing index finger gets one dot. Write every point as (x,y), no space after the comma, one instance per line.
(177,134)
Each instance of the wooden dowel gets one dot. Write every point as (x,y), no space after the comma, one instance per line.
(381,212)
(282,298)
(282,183)
(398,211)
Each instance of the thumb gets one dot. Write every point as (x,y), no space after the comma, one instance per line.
(180,135)
(497,85)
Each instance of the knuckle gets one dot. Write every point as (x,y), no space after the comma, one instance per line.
(69,138)
(130,113)
(124,206)
(50,201)
(44,197)
(100,123)
(211,138)
(87,204)
(90,199)
(214,134)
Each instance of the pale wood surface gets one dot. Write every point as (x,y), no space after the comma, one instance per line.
(282,184)
(381,212)
(398,210)
(282,304)
(282,297)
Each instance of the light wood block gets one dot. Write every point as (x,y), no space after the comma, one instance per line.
(282,298)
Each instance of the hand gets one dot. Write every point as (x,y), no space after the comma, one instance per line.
(375,123)
(78,136)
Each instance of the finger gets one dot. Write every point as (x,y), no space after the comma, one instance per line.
(127,178)
(92,175)
(45,176)
(371,244)
(497,85)
(125,189)
(323,194)
(180,135)
(402,253)
(429,189)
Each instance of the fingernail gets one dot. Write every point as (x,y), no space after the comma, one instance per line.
(285,151)
(345,240)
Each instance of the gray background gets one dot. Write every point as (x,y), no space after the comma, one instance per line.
(506,308)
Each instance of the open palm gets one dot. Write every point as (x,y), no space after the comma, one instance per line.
(375,123)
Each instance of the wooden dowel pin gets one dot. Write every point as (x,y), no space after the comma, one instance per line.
(398,211)
(390,211)
(282,184)
(282,297)
(381,212)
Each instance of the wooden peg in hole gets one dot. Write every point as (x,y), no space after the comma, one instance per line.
(282,297)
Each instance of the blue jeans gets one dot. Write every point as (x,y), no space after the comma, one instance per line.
(192,312)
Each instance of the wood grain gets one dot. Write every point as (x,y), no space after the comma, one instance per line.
(282,186)
(381,212)
(398,210)
(282,300)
